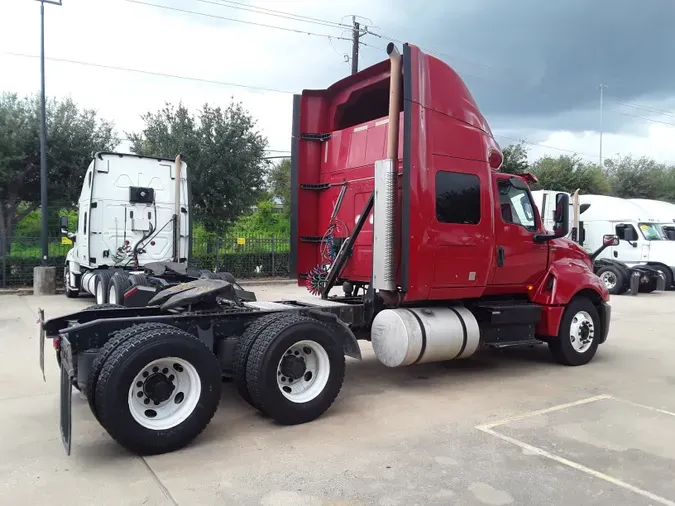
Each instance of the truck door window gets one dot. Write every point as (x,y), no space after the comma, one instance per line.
(516,206)
(457,198)
(84,226)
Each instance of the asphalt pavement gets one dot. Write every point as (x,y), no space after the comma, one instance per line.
(507,427)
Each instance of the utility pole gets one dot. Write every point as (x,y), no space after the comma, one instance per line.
(43,134)
(355,45)
(602,94)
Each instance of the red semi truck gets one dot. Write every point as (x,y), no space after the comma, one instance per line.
(397,196)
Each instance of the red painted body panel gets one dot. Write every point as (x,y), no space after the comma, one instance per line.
(446,132)
(572,271)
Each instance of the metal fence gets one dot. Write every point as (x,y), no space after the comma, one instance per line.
(246,257)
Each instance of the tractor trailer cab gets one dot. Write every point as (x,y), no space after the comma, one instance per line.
(641,240)
(133,211)
(663,213)
(397,198)
(397,192)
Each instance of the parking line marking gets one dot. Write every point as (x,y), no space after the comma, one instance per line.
(577,466)
(651,408)
(544,411)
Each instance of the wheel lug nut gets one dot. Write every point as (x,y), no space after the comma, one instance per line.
(146,401)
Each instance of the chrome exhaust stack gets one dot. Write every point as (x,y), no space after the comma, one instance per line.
(385,257)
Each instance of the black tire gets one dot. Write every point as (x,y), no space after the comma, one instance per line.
(120,371)
(120,284)
(71,294)
(561,346)
(243,349)
(102,279)
(138,279)
(263,362)
(108,348)
(107,305)
(667,274)
(614,278)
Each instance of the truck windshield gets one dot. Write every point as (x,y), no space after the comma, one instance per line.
(650,231)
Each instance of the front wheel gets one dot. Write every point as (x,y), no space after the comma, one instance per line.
(158,390)
(614,279)
(580,329)
(666,273)
(70,293)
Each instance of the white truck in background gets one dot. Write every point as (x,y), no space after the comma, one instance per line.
(662,212)
(133,211)
(593,218)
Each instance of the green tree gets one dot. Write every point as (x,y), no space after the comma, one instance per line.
(73,136)
(279,182)
(515,159)
(568,173)
(224,153)
(637,178)
(264,222)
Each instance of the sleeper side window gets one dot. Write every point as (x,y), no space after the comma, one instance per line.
(457,198)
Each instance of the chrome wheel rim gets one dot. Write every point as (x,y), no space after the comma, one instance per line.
(582,331)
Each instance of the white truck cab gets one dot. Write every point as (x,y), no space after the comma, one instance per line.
(663,213)
(133,210)
(641,239)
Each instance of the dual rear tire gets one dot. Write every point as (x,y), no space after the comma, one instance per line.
(154,388)
(289,367)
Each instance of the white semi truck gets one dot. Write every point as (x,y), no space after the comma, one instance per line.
(662,212)
(133,211)
(642,242)
(595,217)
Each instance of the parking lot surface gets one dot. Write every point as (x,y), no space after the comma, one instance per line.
(507,427)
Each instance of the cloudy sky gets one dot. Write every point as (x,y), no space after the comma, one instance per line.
(533,66)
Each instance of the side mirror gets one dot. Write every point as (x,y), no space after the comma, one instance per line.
(561,226)
(610,240)
(626,232)
(63,225)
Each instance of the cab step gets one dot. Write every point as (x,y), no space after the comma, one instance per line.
(507,323)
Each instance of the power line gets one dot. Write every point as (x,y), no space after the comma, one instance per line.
(647,119)
(650,109)
(273,12)
(545,146)
(215,16)
(148,72)
(447,55)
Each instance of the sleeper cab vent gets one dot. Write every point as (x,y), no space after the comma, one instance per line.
(141,195)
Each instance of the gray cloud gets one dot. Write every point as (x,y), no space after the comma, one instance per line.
(543,60)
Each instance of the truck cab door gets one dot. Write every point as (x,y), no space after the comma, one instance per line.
(628,251)
(520,260)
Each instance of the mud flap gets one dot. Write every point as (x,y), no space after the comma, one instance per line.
(660,282)
(41,338)
(67,375)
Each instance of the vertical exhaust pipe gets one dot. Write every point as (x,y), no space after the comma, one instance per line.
(385,213)
(176,216)
(394,101)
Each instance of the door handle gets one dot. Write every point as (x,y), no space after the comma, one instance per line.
(500,256)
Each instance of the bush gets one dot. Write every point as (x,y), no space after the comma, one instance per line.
(19,269)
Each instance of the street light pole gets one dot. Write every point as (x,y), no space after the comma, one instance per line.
(43,134)
(602,89)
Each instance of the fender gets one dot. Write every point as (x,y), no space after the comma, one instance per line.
(565,279)
(347,339)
